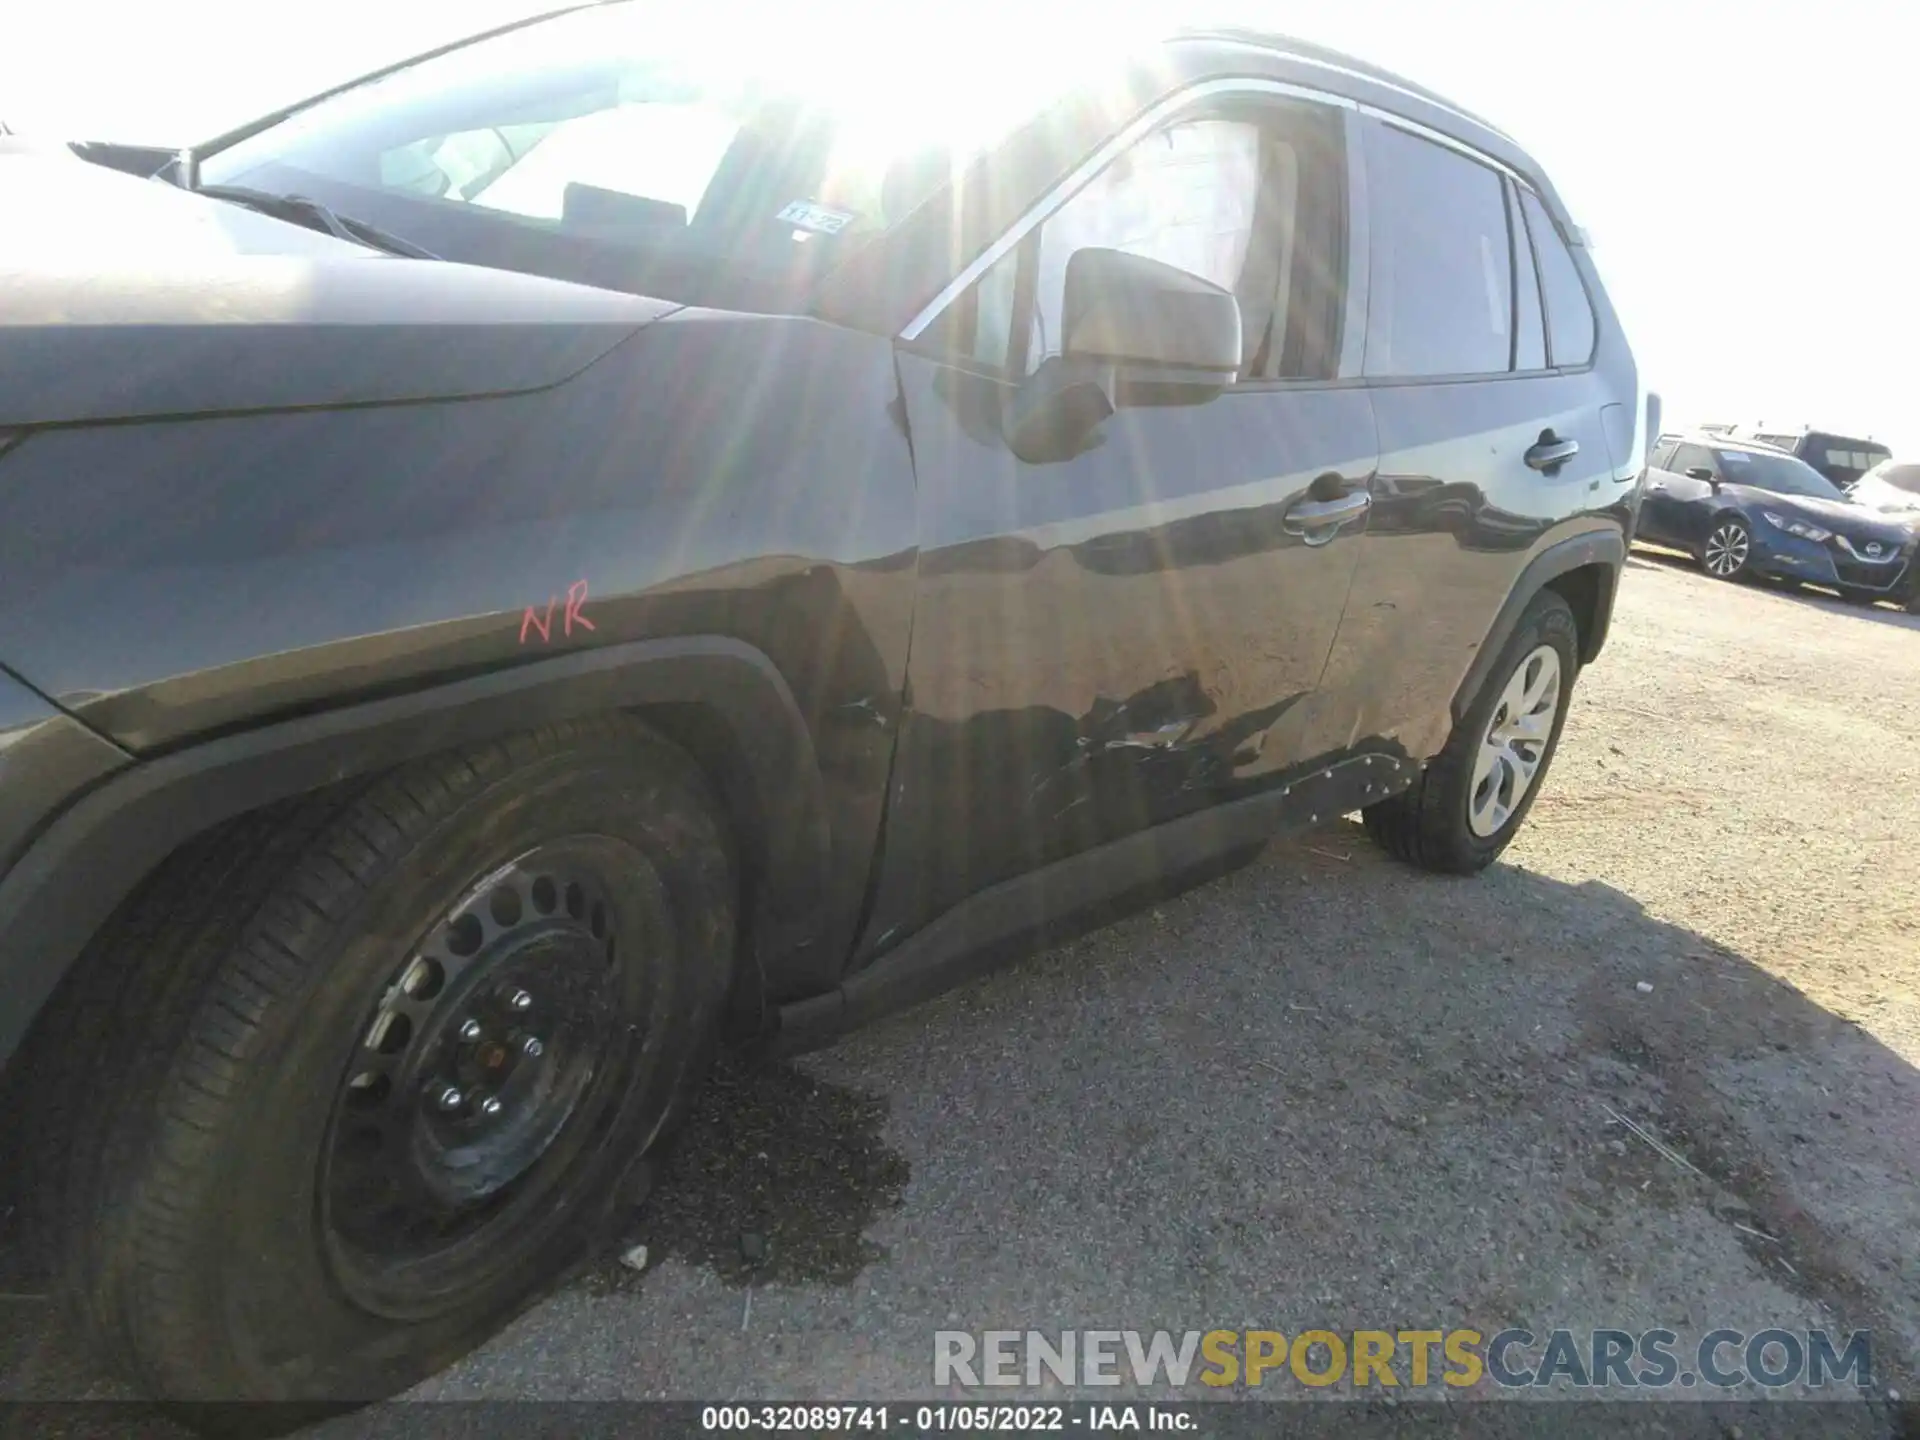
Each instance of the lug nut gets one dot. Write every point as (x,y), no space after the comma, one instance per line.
(470,1031)
(532,1047)
(451,1098)
(520,1000)
(491,1105)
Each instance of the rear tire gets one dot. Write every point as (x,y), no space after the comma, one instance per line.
(1463,811)
(266,1198)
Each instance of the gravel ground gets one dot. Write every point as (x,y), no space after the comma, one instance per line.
(1328,1091)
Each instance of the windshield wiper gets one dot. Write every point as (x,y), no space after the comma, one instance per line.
(300,210)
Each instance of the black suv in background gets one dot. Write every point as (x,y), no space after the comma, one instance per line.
(1744,508)
(1840,458)
(457,566)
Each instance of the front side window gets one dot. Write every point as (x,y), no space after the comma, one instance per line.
(1663,455)
(1693,457)
(1441,293)
(1185,196)
(1251,198)
(1570,324)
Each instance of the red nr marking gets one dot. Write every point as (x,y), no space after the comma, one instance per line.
(541,622)
(576,597)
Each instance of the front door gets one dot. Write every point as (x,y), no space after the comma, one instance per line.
(1107,641)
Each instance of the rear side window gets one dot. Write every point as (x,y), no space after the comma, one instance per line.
(1441,293)
(1570,327)
(1530,334)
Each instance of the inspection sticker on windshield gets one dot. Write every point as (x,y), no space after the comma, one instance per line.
(1734,457)
(805,215)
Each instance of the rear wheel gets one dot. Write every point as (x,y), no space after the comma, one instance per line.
(372,1077)
(1729,546)
(1470,801)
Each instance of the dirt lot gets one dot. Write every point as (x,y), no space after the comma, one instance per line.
(1329,1091)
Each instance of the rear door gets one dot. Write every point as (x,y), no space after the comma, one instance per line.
(1686,500)
(1109,641)
(1656,504)
(1480,346)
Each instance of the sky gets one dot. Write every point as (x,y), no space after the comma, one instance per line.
(1739,167)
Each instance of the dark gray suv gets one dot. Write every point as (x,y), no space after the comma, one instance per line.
(521,566)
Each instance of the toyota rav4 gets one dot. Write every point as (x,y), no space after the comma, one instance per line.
(591,542)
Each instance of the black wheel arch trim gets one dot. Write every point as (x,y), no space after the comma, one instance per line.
(1606,549)
(86,862)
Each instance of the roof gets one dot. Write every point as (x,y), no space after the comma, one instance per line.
(1233,49)
(1714,441)
(1328,57)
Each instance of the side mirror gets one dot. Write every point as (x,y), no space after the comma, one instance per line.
(1136,332)
(1700,472)
(1128,310)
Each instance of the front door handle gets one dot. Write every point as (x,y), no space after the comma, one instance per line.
(1551,452)
(1318,521)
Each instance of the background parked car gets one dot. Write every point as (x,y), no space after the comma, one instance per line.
(1891,487)
(1743,508)
(1841,458)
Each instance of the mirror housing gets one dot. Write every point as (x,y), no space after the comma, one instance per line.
(1700,472)
(1136,332)
(1128,310)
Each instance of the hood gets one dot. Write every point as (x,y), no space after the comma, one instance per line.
(62,211)
(123,299)
(1840,516)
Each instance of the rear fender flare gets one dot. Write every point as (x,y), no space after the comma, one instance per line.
(1606,548)
(89,859)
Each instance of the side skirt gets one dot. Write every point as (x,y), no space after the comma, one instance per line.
(1023,914)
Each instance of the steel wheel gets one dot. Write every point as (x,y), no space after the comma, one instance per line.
(1516,741)
(489,1055)
(1727,549)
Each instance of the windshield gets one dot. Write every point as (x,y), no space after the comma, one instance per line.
(1782,474)
(634,146)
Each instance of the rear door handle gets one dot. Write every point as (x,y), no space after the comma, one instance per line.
(1551,452)
(1318,521)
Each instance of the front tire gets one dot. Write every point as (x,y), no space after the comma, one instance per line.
(1471,799)
(376,1068)
(1728,549)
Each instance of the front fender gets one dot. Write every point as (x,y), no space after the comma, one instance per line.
(88,860)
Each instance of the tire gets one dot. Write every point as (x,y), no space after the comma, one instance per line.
(245,1221)
(1728,548)
(1440,823)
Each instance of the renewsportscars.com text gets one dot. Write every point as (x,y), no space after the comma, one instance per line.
(1601,1359)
